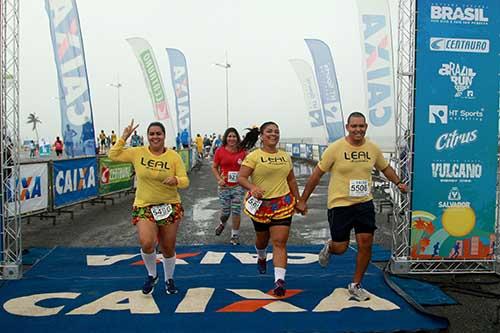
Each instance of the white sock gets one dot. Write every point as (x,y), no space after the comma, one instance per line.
(262,254)
(150,262)
(279,273)
(168,267)
(235,233)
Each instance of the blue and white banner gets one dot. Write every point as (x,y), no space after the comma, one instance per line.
(180,83)
(33,188)
(376,40)
(328,88)
(310,90)
(77,124)
(74,181)
(456,130)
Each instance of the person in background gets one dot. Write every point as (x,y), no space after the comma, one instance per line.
(58,147)
(157,210)
(32,149)
(350,161)
(135,140)
(270,202)
(178,141)
(199,145)
(113,138)
(102,141)
(225,168)
(68,136)
(185,138)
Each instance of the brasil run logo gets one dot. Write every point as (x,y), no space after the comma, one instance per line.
(461,76)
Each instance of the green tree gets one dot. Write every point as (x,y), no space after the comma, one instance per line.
(33,119)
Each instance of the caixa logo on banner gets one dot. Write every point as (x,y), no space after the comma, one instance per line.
(461,76)
(453,14)
(441,114)
(73,180)
(454,139)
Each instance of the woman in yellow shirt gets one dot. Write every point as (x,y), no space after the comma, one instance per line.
(157,209)
(270,202)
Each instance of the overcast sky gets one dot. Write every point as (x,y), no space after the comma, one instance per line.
(260,36)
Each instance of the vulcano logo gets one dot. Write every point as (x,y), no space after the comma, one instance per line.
(457,171)
(459,45)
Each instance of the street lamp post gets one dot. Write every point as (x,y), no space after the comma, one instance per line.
(226,66)
(117,85)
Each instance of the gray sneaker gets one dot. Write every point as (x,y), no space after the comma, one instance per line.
(235,240)
(324,255)
(357,292)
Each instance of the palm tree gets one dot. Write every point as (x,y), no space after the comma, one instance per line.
(33,119)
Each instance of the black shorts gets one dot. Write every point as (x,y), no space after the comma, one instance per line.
(59,152)
(360,216)
(260,227)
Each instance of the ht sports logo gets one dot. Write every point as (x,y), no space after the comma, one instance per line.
(441,114)
(461,76)
(459,45)
(454,14)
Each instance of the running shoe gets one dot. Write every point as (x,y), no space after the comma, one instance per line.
(235,240)
(324,255)
(262,265)
(279,288)
(149,285)
(170,287)
(357,292)
(219,229)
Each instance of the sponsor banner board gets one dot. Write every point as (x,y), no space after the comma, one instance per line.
(114,176)
(33,187)
(456,126)
(74,181)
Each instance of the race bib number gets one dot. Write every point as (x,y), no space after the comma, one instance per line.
(359,188)
(252,205)
(232,177)
(161,212)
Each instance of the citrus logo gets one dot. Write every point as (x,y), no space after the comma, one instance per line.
(459,45)
(453,139)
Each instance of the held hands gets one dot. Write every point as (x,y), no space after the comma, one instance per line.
(257,192)
(127,132)
(171,181)
(301,207)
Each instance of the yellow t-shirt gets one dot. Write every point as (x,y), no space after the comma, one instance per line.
(199,143)
(350,170)
(113,138)
(270,171)
(151,171)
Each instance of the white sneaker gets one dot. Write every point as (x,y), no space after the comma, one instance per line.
(357,292)
(324,255)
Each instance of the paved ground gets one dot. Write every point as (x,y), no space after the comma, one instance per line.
(109,225)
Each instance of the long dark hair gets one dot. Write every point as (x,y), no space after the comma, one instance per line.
(253,135)
(229,131)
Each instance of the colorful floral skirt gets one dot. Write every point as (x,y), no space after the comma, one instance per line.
(144,213)
(273,209)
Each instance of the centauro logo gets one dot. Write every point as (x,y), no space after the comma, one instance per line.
(73,180)
(459,45)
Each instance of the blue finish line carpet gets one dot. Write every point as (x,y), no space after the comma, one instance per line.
(99,290)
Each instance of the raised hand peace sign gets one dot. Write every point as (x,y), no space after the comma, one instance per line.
(127,132)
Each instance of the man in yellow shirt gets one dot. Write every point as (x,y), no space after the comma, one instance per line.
(350,161)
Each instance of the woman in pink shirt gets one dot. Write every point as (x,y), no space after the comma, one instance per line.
(225,168)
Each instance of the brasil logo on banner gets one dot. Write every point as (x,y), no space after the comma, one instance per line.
(456,127)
